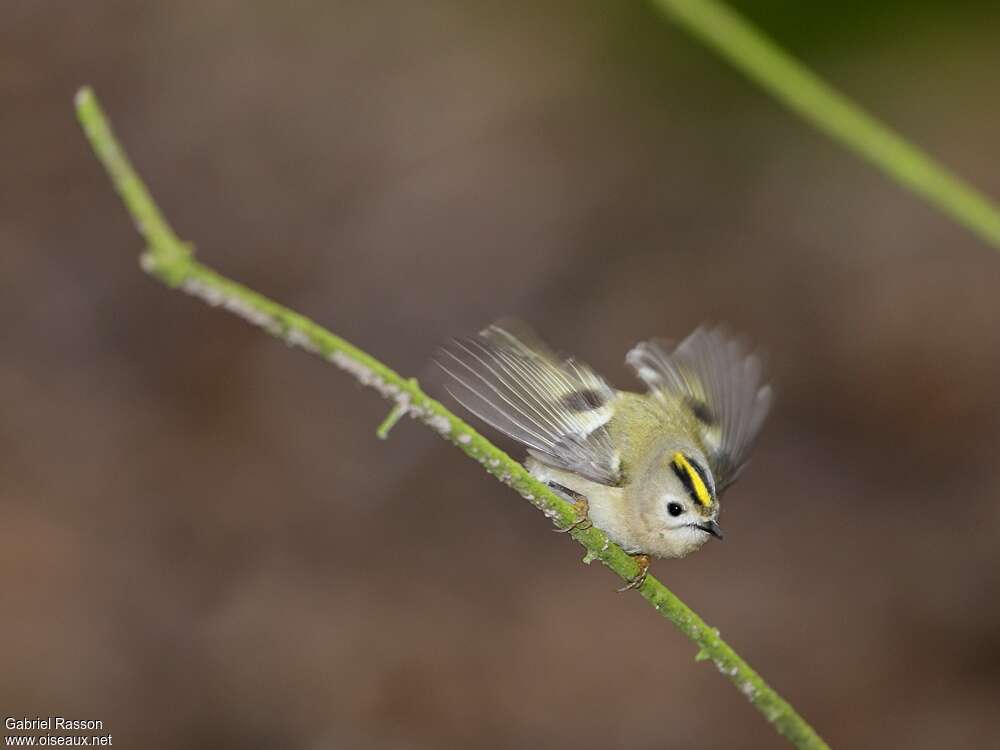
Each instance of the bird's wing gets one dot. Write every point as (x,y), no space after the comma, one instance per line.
(558,409)
(719,383)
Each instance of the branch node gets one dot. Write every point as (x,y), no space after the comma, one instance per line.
(399,411)
(170,264)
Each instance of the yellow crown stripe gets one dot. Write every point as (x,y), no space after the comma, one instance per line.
(697,484)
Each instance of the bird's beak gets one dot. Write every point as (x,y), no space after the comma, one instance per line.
(712,528)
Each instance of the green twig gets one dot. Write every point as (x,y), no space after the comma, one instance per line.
(170,260)
(802,91)
(397,413)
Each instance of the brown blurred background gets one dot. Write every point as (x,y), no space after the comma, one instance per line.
(203,544)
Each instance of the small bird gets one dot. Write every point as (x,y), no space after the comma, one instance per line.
(647,469)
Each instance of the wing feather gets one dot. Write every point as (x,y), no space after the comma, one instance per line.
(714,377)
(558,409)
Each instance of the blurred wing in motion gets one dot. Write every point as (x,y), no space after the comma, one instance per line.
(719,383)
(558,409)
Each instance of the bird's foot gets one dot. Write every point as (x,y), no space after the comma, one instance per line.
(580,505)
(639,578)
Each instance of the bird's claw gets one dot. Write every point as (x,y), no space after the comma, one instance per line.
(639,578)
(580,505)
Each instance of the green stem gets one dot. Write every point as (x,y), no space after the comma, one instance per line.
(802,91)
(170,260)
(398,412)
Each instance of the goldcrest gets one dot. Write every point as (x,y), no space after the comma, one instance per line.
(647,469)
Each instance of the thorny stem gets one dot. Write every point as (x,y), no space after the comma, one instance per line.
(805,93)
(171,261)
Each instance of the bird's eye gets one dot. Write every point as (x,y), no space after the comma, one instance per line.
(674,509)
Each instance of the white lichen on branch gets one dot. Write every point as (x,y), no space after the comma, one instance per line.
(218,298)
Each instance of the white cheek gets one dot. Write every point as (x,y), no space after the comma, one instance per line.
(675,527)
(686,537)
